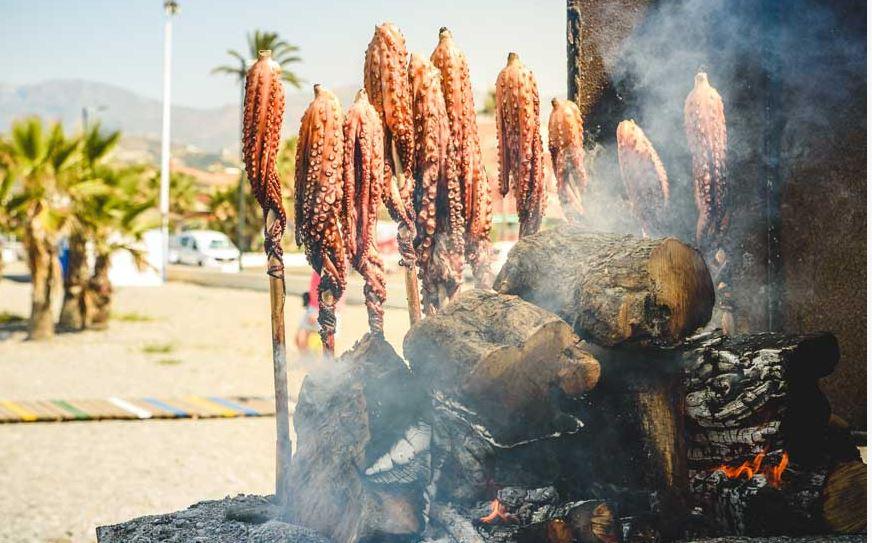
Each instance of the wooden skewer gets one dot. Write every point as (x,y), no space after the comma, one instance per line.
(413,296)
(276,272)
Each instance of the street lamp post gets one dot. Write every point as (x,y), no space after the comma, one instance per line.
(171,7)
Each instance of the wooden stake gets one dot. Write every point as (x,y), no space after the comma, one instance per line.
(413,296)
(276,272)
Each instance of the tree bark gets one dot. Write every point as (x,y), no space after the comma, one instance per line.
(613,289)
(504,358)
(74,308)
(100,293)
(44,270)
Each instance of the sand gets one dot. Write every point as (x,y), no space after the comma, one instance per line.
(61,480)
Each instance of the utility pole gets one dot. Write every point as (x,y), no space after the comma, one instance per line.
(171,7)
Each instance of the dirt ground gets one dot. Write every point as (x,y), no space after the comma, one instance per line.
(61,480)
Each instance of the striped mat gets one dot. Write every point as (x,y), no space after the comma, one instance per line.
(190,407)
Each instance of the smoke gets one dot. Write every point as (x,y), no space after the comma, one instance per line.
(781,69)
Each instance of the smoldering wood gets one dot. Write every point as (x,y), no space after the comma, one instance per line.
(757,392)
(635,434)
(353,415)
(613,289)
(507,361)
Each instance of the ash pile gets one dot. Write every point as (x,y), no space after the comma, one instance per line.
(574,404)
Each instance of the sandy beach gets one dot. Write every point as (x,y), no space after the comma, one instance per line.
(61,480)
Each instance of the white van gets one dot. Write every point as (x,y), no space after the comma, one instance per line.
(205,248)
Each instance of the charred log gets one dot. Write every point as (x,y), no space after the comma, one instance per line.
(362,457)
(506,360)
(747,394)
(612,289)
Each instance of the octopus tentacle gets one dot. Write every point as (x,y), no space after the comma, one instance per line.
(364,182)
(474,186)
(319,203)
(520,144)
(706,130)
(566,145)
(439,210)
(644,178)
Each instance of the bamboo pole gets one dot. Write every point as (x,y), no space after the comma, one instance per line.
(276,273)
(413,296)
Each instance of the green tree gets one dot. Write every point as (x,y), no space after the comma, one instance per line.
(40,164)
(283,53)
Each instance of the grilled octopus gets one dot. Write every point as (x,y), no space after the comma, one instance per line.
(644,178)
(474,187)
(319,201)
(439,209)
(385,78)
(263,109)
(706,131)
(363,180)
(520,144)
(566,145)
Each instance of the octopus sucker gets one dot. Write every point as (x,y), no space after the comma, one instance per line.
(520,143)
(644,178)
(437,200)
(319,202)
(706,130)
(474,185)
(566,145)
(363,180)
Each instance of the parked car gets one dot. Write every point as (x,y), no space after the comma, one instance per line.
(204,248)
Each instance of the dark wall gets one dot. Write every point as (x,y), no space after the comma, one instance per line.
(793,79)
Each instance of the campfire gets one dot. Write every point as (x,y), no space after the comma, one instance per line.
(748,469)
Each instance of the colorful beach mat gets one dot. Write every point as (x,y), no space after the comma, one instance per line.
(191,407)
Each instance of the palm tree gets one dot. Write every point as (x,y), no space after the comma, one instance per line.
(96,145)
(39,164)
(284,54)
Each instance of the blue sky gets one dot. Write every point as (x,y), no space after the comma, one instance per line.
(119,41)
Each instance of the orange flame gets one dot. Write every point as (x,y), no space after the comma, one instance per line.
(499,514)
(749,469)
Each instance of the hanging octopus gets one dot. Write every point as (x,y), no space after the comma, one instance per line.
(385,78)
(363,176)
(520,144)
(706,130)
(707,137)
(439,209)
(566,145)
(263,109)
(644,178)
(319,201)
(474,186)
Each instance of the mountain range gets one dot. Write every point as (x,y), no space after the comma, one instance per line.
(210,129)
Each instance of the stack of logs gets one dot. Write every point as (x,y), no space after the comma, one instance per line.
(555,408)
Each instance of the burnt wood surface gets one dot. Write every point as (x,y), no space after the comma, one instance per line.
(350,414)
(758,392)
(613,289)
(508,361)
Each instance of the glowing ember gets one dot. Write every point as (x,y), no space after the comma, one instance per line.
(499,515)
(749,469)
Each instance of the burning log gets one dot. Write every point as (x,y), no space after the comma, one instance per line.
(612,289)
(748,394)
(363,456)
(261,131)
(520,144)
(318,203)
(644,178)
(385,78)
(474,185)
(437,200)
(363,189)
(566,145)
(506,360)
(767,496)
